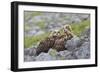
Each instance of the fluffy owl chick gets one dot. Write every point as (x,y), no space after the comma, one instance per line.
(47,43)
(59,44)
(68,31)
(54,33)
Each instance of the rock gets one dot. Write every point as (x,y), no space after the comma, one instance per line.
(70,45)
(71,56)
(30,51)
(84,51)
(64,53)
(35,31)
(38,18)
(85,36)
(75,19)
(44,57)
(52,52)
(29,58)
(26,51)
(86,32)
(84,16)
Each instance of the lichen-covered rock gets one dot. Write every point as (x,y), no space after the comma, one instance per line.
(70,45)
(64,53)
(84,51)
(30,51)
(44,57)
(71,56)
(52,52)
(85,36)
(29,58)
(26,51)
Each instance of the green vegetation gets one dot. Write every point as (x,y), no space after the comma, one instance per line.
(31,14)
(36,13)
(80,27)
(33,40)
(41,24)
(26,28)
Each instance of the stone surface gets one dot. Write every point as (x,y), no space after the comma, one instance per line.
(73,43)
(44,57)
(29,58)
(64,53)
(30,51)
(84,51)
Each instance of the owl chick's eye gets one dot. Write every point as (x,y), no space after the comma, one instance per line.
(58,32)
(67,27)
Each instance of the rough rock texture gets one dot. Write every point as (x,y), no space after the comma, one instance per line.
(29,58)
(73,43)
(48,20)
(30,51)
(43,57)
(84,51)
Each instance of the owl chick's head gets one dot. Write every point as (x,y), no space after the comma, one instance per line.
(67,28)
(55,33)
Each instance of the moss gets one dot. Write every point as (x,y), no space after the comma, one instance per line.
(62,58)
(26,28)
(41,24)
(33,40)
(53,52)
(36,13)
(80,27)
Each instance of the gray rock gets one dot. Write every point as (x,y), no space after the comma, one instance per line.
(38,18)
(75,19)
(26,51)
(70,45)
(71,56)
(52,52)
(35,31)
(85,36)
(44,57)
(86,33)
(84,16)
(84,51)
(64,53)
(29,58)
(30,51)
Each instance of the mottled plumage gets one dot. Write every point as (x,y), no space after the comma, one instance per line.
(61,39)
(68,32)
(56,40)
(47,43)
(59,44)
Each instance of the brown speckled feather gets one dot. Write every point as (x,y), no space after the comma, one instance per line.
(45,45)
(59,44)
